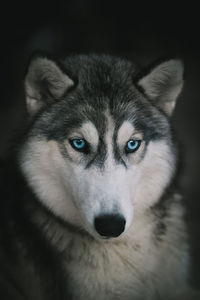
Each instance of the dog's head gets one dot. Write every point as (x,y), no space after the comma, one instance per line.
(99,151)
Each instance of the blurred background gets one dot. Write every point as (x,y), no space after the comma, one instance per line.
(135,30)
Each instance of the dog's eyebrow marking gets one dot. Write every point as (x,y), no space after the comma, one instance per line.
(87,131)
(126,131)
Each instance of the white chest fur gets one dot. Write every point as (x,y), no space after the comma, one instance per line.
(135,267)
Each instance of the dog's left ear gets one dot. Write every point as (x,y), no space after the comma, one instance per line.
(45,83)
(163,84)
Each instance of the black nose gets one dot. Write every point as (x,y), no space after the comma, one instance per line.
(109,225)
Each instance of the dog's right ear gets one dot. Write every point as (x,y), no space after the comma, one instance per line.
(163,83)
(45,83)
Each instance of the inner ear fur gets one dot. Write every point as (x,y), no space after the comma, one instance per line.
(163,83)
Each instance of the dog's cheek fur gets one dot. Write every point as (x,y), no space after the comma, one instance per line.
(42,163)
(157,170)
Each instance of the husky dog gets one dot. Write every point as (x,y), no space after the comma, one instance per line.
(101,216)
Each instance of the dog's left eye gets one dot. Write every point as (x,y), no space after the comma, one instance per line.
(80,145)
(132,146)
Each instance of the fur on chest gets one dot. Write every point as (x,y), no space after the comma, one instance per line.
(136,265)
(132,267)
(114,271)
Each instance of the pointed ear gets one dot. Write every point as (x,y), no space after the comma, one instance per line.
(163,84)
(45,83)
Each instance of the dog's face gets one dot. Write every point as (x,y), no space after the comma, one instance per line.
(100,151)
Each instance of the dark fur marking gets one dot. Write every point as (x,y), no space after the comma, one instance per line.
(160,211)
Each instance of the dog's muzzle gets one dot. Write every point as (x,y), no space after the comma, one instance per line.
(109,225)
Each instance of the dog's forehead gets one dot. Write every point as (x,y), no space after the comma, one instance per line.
(123,120)
(124,117)
(108,130)
(103,87)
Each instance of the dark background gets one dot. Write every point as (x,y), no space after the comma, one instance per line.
(136,30)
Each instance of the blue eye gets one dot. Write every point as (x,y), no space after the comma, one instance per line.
(132,146)
(80,145)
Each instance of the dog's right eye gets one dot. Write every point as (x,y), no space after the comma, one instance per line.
(80,145)
(132,146)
